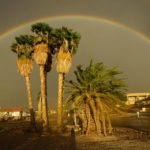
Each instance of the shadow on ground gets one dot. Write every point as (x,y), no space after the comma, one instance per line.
(37,142)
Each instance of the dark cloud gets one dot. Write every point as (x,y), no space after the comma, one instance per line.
(133,13)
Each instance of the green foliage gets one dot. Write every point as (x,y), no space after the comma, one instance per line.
(25,39)
(14,47)
(23,46)
(58,36)
(43,32)
(96,80)
(41,28)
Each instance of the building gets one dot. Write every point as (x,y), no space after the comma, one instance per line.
(132,98)
(15,113)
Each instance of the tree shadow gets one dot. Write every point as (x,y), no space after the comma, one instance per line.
(55,141)
(72,140)
(35,141)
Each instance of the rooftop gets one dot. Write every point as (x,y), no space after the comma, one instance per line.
(11,109)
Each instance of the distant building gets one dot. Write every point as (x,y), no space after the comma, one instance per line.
(15,113)
(132,98)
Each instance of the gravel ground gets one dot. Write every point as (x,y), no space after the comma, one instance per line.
(113,143)
(122,139)
(34,141)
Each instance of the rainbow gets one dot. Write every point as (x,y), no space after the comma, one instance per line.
(90,18)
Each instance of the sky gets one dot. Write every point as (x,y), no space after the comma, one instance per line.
(115,32)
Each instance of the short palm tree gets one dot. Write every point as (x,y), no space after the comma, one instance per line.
(95,93)
(65,44)
(24,50)
(42,55)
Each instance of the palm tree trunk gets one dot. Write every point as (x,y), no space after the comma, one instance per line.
(60,100)
(40,108)
(47,111)
(103,118)
(109,123)
(44,99)
(99,131)
(95,115)
(75,118)
(84,123)
(30,101)
(88,114)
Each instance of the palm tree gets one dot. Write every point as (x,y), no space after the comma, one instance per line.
(65,44)
(42,55)
(39,107)
(96,92)
(24,49)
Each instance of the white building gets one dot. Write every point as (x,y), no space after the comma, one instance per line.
(132,98)
(15,113)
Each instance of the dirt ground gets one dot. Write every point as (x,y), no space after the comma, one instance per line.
(18,137)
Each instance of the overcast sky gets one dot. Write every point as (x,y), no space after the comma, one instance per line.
(113,31)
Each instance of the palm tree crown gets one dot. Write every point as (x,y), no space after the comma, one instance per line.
(24,49)
(67,38)
(23,45)
(97,78)
(42,31)
(64,43)
(41,42)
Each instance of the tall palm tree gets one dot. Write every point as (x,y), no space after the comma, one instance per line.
(24,49)
(97,89)
(65,44)
(42,55)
